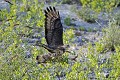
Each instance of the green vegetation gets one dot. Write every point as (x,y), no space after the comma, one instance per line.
(81,28)
(68,36)
(70,1)
(27,19)
(90,29)
(87,15)
(90,9)
(100,5)
(15,24)
(117,18)
(2,14)
(67,21)
(66,1)
(111,35)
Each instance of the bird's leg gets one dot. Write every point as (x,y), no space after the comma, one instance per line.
(44,46)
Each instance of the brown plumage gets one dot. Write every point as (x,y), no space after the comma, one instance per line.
(53,28)
(53,31)
(53,36)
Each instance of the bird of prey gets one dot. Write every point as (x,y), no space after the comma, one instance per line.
(53,34)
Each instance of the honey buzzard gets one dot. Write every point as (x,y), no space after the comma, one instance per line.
(53,35)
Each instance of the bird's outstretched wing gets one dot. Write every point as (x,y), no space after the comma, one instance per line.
(53,28)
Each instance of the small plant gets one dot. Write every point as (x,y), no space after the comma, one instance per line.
(99,47)
(3,14)
(90,29)
(66,1)
(105,6)
(87,15)
(81,28)
(68,36)
(67,21)
(117,18)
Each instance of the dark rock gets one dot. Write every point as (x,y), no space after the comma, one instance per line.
(78,40)
(106,72)
(107,75)
(118,5)
(101,61)
(28,54)
(31,40)
(78,33)
(91,75)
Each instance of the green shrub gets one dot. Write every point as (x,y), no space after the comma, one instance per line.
(3,14)
(66,1)
(111,35)
(117,18)
(87,15)
(90,29)
(99,46)
(100,5)
(81,28)
(68,36)
(67,21)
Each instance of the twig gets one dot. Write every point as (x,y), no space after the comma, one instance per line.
(98,23)
(8,2)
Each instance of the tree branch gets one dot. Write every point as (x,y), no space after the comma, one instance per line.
(8,2)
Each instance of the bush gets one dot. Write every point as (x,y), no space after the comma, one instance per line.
(111,35)
(100,5)
(117,18)
(66,1)
(67,21)
(68,36)
(87,15)
(71,2)
(81,28)
(2,15)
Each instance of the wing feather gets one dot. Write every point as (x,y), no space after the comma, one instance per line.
(53,27)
